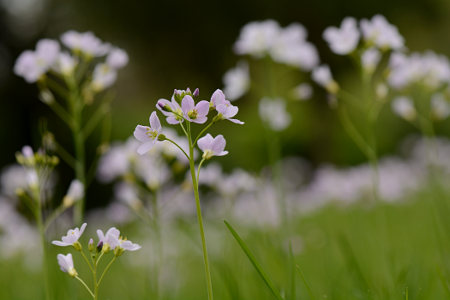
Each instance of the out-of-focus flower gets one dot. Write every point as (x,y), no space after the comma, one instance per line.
(194,113)
(65,64)
(103,77)
(31,65)
(256,38)
(370,59)
(322,76)
(379,32)
(290,47)
(440,108)
(345,39)
(212,146)
(404,107)
(71,238)
(237,81)
(273,113)
(112,240)
(66,264)
(302,91)
(117,58)
(75,193)
(86,43)
(148,135)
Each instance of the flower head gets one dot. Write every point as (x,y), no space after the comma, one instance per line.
(66,264)
(404,107)
(212,146)
(237,81)
(75,193)
(322,76)
(194,113)
(117,58)
(113,241)
(345,39)
(171,109)
(256,38)
(72,237)
(381,33)
(273,112)
(86,43)
(370,59)
(148,135)
(224,108)
(65,64)
(103,77)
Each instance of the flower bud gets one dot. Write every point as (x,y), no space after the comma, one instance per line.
(99,246)
(161,137)
(196,92)
(91,246)
(77,246)
(47,97)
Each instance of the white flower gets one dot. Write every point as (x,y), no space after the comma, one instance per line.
(72,237)
(273,113)
(381,33)
(345,39)
(322,76)
(370,59)
(225,110)
(212,146)
(256,38)
(103,77)
(32,65)
(440,107)
(117,160)
(148,136)
(237,81)
(302,91)
(65,64)
(404,107)
(112,240)
(75,193)
(85,42)
(66,264)
(117,58)
(290,47)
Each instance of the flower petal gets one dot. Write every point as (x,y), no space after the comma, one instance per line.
(155,124)
(202,108)
(140,133)
(218,97)
(218,145)
(204,143)
(187,104)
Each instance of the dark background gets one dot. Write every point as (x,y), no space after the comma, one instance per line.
(175,44)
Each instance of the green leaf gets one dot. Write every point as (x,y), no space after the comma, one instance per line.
(251,257)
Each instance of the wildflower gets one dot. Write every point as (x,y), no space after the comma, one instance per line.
(71,238)
(237,81)
(31,65)
(75,193)
(440,108)
(117,58)
(65,64)
(302,91)
(125,245)
(290,47)
(171,109)
(66,264)
(86,42)
(103,77)
(404,108)
(148,135)
(345,39)
(322,75)
(212,146)
(110,240)
(194,113)
(370,59)
(273,113)
(381,33)
(256,38)
(226,111)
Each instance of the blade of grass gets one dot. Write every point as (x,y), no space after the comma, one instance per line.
(308,288)
(293,293)
(251,257)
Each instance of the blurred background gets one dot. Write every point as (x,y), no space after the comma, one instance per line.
(178,44)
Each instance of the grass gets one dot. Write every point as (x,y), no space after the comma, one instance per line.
(377,252)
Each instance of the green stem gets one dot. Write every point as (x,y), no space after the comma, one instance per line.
(200,220)
(106,270)
(40,224)
(86,260)
(169,140)
(85,285)
(203,131)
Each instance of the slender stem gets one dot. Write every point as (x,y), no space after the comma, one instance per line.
(169,140)
(106,270)
(98,259)
(86,260)
(200,221)
(198,169)
(85,285)
(41,228)
(159,250)
(203,131)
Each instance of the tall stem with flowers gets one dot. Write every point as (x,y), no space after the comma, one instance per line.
(183,111)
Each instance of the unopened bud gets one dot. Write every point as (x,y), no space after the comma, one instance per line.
(99,246)
(196,92)
(91,246)
(77,246)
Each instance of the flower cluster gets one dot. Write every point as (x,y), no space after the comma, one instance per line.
(111,241)
(50,58)
(284,45)
(182,107)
